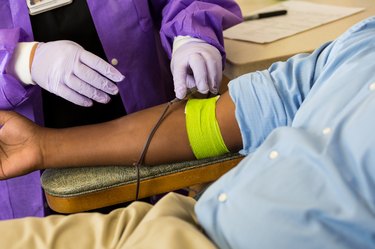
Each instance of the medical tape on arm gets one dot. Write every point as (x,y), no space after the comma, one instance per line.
(202,128)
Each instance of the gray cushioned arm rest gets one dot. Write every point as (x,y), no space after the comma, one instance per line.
(71,182)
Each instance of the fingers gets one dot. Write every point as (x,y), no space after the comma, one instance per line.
(179,73)
(95,79)
(73,96)
(214,73)
(92,79)
(190,75)
(198,66)
(205,75)
(101,66)
(190,82)
(87,90)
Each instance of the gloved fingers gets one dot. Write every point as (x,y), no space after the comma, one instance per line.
(72,96)
(95,79)
(214,72)
(199,69)
(179,79)
(101,66)
(87,90)
(190,82)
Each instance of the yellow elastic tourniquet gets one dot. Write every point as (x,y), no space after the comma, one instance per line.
(202,128)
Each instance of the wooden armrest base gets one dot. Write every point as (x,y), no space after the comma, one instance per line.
(82,189)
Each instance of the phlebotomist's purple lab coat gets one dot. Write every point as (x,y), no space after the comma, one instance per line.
(126,30)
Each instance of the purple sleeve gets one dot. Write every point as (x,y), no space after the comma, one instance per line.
(205,20)
(12,92)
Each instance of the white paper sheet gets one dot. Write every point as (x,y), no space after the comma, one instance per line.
(301,16)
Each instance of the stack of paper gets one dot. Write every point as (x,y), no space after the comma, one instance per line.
(301,16)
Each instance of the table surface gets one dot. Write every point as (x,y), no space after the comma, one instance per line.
(244,57)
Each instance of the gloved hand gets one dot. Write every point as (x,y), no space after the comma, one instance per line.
(196,64)
(67,70)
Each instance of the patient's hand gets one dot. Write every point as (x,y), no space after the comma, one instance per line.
(20,145)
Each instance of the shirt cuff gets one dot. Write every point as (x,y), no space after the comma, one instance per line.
(19,65)
(181,40)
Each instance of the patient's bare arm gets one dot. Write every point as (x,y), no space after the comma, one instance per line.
(26,147)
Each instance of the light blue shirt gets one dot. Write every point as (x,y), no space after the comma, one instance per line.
(308,129)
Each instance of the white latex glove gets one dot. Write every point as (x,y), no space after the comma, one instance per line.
(196,64)
(67,70)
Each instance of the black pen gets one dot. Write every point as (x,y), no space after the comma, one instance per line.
(265,15)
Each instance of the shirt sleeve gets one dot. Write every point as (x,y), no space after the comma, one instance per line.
(204,20)
(12,92)
(269,99)
(309,185)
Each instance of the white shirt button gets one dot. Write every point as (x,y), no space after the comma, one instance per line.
(372,87)
(114,62)
(274,154)
(223,197)
(326,131)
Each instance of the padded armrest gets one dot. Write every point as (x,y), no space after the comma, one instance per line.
(71,190)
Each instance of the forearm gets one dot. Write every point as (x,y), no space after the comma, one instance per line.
(120,142)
